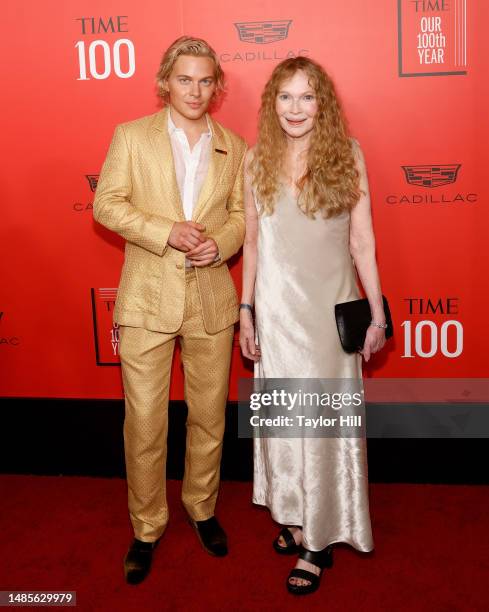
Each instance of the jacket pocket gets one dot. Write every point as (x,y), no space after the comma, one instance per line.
(139,287)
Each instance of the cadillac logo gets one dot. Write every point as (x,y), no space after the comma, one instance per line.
(431,176)
(92,181)
(263,32)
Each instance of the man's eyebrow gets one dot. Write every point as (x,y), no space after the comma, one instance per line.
(186,76)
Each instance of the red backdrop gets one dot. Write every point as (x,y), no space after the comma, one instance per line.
(413,80)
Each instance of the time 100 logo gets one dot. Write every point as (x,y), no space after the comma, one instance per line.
(101,64)
(438,336)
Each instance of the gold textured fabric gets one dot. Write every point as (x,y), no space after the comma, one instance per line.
(159,300)
(146,358)
(138,197)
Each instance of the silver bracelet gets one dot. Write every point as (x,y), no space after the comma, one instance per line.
(380,325)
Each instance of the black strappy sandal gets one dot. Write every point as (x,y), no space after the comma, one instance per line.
(322,559)
(290,548)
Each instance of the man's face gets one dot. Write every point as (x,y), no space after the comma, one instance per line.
(191,86)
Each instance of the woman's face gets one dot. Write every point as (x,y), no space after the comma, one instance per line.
(296,106)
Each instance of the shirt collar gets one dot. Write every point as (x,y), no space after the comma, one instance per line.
(172,128)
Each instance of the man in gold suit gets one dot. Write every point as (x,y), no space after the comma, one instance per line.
(172,186)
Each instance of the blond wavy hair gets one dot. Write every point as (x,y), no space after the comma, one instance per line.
(187,45)
(330,183)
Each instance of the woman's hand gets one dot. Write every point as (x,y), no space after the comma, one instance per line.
(374,341)
(249,349)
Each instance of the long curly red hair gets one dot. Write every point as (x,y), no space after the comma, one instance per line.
(330,184)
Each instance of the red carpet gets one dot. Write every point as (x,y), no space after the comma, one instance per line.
(432,551)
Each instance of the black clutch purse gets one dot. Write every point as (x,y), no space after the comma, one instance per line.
(354,318)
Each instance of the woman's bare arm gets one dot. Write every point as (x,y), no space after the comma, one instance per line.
(247,330)
(362,249)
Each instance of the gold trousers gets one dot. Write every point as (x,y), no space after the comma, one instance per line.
(146,358)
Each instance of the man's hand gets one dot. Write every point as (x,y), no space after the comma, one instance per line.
(203,254)
(186,235)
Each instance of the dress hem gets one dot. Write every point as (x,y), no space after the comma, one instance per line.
(284,521)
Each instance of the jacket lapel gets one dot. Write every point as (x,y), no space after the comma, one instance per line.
(161,148)
(217,162)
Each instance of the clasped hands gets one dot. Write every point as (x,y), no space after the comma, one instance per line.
(188,236)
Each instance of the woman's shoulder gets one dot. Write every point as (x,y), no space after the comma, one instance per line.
(357,151)
(355,145)
(250,153)
(249,157)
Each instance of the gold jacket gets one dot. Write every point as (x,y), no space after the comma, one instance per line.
(138,197)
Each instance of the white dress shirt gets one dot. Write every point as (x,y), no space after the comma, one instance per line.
(191,166)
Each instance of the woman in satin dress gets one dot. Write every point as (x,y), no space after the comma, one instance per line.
(308,233)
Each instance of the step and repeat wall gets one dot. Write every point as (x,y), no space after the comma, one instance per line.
(412,76)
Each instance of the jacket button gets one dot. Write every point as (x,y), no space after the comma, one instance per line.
(179,266)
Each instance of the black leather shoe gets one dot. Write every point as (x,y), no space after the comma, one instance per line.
(137,562)
(211,536)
